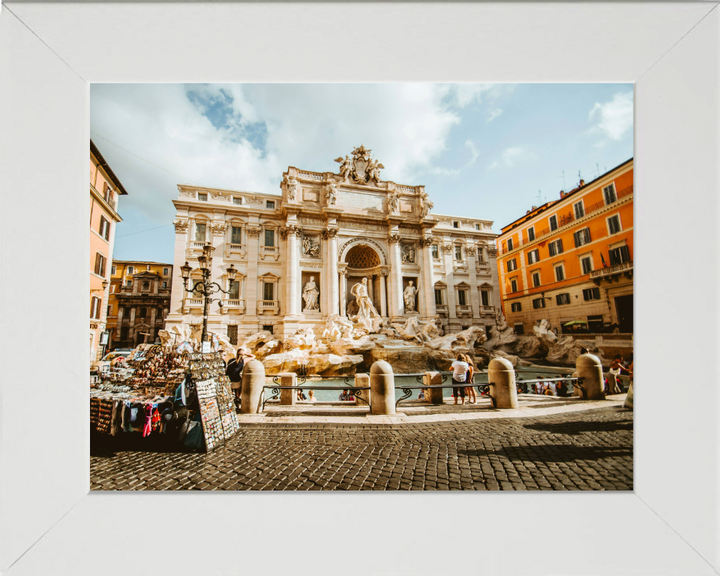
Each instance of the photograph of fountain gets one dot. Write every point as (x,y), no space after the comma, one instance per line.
(361,287)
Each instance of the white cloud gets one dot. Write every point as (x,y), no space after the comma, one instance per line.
(511,157)
(614,118)
(494,113)
(473,151)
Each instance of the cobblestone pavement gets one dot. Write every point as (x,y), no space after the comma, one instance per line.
(591,450)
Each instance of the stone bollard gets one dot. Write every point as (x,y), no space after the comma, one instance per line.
(629,398)
(590,370)
(382,388)
(362,380)
(288,397)
(434,395)
(253,380)
(502,375)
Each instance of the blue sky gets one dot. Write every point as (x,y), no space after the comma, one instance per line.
(482,150)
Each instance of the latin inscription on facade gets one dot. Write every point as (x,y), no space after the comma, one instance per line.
(355,200)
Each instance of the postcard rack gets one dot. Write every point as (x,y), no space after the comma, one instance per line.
(215,398)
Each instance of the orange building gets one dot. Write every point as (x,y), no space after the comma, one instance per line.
(105,189)
(572,259)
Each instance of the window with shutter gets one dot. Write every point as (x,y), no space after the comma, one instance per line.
(509,244)
(559,273)
(614,224)
(586,265)
(579,210)
(516,307)
(513,286)
(553,223)
(539,303)
(536,279)
(609,193)
(562,299)
(531,233)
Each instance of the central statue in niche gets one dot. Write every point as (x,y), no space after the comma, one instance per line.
(367,316)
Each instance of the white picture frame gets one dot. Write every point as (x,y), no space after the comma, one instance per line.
(50,524)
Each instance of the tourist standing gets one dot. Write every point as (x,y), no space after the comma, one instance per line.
(234,370)
(616,368)
(470,390)
(460,369)
(311,396)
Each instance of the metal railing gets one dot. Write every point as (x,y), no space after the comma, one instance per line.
(482,387)
(276,387)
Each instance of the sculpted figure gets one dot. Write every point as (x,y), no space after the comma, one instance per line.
(291,190)
(409,297)
(393,203)
(373,169)
(331,196)
(366,311)
(310,247)
(346,166)
(407,255)
(310,295)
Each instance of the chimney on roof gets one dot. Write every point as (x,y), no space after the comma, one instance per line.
(582,182)
(562,193)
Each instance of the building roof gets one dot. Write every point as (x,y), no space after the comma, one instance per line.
(102,162)
(537,210)
(133,262)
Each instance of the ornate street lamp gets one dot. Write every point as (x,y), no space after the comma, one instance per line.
(204,286)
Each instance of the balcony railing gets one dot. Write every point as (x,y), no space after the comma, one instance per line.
(568,218)
(235,304)
(463,310)
(610,270)
(268,306)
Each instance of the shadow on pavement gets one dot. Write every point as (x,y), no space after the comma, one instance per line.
(553,452)
(578,427)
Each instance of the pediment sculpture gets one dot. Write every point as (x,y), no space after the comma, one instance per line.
(361,169)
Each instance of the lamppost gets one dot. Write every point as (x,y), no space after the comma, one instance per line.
(204,286)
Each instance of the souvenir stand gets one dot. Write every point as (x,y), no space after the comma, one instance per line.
(132,395)
(140,395)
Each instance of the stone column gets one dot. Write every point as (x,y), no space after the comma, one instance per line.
(471,252)
(177,292)
(434,395)
(293,271)
(362,380)
(343,291)
(427,284)
(251,285)
(382,388)
(450,281)
(396,287)
(331,276)
(589,368)
(253,380)
(288,397)
(503,390)
(383,294)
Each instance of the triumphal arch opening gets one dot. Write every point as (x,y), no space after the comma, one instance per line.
(342,245)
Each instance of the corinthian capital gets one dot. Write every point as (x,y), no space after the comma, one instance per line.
(394,238)
(181,226)
(254,231)
(219,228)
(329,233)
(425,242)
